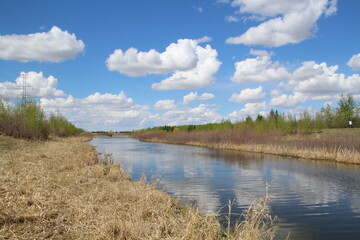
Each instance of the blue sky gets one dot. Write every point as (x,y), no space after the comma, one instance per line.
(123,65)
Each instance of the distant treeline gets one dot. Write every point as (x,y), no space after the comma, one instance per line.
(347,110)
(27,120)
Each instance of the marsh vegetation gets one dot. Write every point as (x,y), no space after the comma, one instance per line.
(62,189)
(325,135)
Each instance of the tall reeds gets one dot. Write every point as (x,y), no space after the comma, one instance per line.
(340,147)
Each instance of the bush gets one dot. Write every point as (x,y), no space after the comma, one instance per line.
(60,127)
(27,120)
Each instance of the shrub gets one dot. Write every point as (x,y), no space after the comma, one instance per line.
(27,120)
(60,127)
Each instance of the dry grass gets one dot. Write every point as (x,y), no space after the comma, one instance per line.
(58,190)
(332,145)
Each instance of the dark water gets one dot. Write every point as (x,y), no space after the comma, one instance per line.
(314,200)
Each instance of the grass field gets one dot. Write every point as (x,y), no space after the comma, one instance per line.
(58,189)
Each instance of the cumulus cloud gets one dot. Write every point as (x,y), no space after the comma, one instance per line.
(354,62)
(37,86)
(248,95)
(182,116)
(250,109)
(199,76)
(115,101)
(288,101)
(192,66)
(164,105)
(53,46)
(98,111)
(177,57)
(194,96)
(106,111)
(259,69)
(321,80)
(286,21)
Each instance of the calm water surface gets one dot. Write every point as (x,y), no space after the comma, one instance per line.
(314,200)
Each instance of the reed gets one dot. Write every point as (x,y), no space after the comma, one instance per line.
(338,146)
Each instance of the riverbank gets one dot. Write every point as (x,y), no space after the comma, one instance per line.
(59,189)
(337,145)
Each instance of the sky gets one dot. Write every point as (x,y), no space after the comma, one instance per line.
(132,64)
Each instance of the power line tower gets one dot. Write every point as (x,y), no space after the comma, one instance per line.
(24,87)
(23,93)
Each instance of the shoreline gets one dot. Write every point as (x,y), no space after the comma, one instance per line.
(60,189)
(318,154)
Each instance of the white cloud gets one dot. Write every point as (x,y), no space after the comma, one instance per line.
(328,103)
(178,56)
(199,9)
(248,95)
(319,80)
(198,115)
(354,62)
(259,69)
(164,105)
(297,20)
(288,101)
(194,96)
(204,39)
(199,76)
(250,109)
(308,70)
(260,52)
(222,1)
(37,86)
(98,111)
(232,19)
(115,101)
(275,92)
(191,65)
(53,46)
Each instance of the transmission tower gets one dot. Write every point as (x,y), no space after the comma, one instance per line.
(23,94)
(24,87)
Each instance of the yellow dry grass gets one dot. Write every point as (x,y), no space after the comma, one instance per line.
(338,155)
(58,190)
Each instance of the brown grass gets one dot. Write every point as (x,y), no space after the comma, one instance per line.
(58,189)
(332,145)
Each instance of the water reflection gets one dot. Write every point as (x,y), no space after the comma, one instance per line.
(315,200)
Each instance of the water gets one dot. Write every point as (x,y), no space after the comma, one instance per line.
(313,199)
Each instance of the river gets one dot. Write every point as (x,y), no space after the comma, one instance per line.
(312,199)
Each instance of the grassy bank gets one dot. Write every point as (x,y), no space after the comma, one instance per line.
(57,189)
(337,145)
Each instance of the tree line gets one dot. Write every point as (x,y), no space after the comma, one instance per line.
(27,119)
(347,110)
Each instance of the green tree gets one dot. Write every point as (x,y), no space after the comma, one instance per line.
(260,122)
(305,123)
(327,115)
(249,121)
(347,110)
